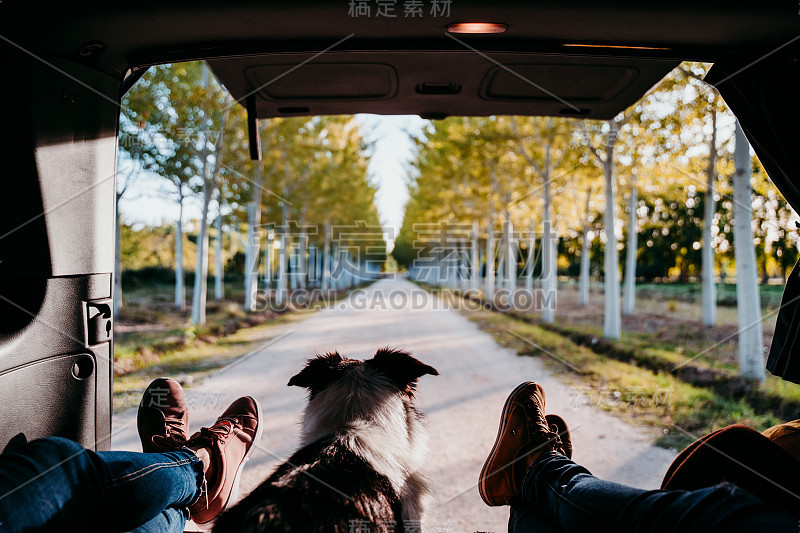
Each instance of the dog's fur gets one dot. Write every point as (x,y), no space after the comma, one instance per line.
(363,445)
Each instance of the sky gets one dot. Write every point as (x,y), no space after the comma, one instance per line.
(150,203)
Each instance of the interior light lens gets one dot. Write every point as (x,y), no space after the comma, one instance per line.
(476,27)
(615,46)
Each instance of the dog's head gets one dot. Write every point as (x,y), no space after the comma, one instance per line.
(345,391)
(394,367)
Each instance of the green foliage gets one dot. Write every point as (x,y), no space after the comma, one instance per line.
(314,170)
(469,169)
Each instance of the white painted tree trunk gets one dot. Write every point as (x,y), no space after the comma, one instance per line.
(268,248)
(612,320)
(475,262)
(549,266)
(210,181)
(629,289)
(313,275)
(180,292)
(348,278)
(501,263)
(219,289)
(302,259)
(463,265)
(708,265)
(511,258)
(583,284)
(326,259)
(488,281)
(586,248)
(282,288)
(748,301)
(530,260)
(335,274)
(548,276)
(117,264)
(201,266)
(252,246)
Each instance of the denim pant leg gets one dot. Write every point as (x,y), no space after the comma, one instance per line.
(171,520)
(524,518)
(568,496)
(58,484)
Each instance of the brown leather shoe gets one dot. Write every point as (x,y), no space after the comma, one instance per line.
(523,436)
(557,425)
(163,417)
(229,443)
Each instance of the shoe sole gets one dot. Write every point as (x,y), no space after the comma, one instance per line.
(234,495)
(503,420)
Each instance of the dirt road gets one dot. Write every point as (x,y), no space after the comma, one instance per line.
(462,405)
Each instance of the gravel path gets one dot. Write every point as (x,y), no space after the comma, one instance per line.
(462,404)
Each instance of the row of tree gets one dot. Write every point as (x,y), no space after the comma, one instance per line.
(308,204)
(676,163)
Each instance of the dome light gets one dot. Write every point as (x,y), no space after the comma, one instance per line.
(476,27)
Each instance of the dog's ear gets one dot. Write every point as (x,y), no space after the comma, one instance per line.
(318,372)
(401,369)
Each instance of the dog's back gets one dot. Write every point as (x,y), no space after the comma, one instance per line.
(322,487)
(360,465)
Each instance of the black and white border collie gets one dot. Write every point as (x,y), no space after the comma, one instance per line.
(362,448)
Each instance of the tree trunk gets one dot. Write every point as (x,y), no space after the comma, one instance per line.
(268,247)
(583,286)
(475,262)
(548,257)
(488,287)
(511,258)
(317,266)
(709,286)
(201,266)
(219,289)
(117,262)
(463,266)
(302,248)
(312,265)
(629,290)
(252,246)
(282,257)
(180,292)
(612,320)
(292,268)
(530,261)
(326,259)
(501,263)
(748,301)
(209,185)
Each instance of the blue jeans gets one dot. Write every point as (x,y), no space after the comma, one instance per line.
(56,484)
(561,495)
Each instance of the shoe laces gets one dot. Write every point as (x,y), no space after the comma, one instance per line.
(174,424)
(555,438)
(221,429)
(174,431)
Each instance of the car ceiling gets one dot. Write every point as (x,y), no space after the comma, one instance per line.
(315,58)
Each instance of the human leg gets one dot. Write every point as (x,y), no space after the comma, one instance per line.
(744,457)
(568,495)
(171,520)
(55,481)
(56,484)
(528,469)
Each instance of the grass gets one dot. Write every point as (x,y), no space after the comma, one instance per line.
(636,378)
(152,338)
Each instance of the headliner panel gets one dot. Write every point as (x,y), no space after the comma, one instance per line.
(389,82)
